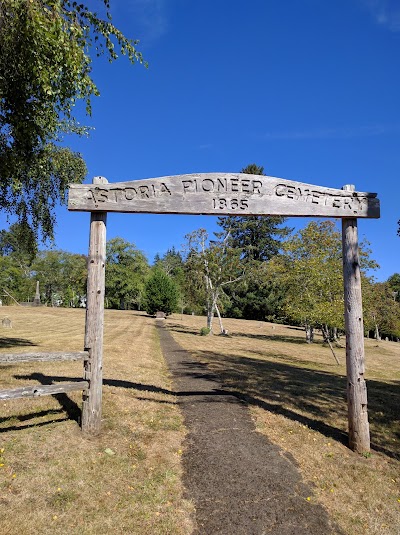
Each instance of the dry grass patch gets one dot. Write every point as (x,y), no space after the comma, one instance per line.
(297,396)
(55,480)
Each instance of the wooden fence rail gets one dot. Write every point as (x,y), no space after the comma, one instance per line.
(16,358)
(33,391)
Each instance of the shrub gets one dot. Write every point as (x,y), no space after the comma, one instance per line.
(160,294)
(204,331)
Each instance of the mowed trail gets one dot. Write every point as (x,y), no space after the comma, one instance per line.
(239,482)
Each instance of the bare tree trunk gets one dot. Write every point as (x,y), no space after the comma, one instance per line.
(326,336)
(309,333)
(220,320)
(334,334)
(210,316)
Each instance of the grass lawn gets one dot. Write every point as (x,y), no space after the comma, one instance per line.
(55,480)
(128,480)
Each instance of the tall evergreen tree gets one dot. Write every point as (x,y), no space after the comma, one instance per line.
(161,293)
(258,238)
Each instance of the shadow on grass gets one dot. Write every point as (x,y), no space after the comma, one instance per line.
(178,327)
(273,338)
(74,412)
(181,329)
(30,426)
(67,405)
(312,397)
(15,342)
(119,383)
(32,416)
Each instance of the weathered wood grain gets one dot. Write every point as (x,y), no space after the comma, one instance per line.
(93,365)
(16,358)
(42,390)
(359,438)
(222,194)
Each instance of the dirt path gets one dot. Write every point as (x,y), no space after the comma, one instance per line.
(240,483)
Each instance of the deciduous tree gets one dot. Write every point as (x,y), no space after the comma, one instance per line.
(214,265)
(311,270)
(381,310)
(126,272)
(62,276)
(394,283)
(45,67)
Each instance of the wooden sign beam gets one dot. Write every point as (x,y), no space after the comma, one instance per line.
(222,194)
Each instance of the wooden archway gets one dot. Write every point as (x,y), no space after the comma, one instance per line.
(226,194)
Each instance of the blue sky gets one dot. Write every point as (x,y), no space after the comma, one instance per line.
(308,89)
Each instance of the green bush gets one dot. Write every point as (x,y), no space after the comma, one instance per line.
(204,331)
(160,294)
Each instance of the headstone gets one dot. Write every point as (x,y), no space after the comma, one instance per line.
(160,315)
(6,323)
(36,301)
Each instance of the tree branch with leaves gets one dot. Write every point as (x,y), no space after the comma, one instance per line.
(45,68)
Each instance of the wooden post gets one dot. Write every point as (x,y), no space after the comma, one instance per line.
(93,365)
(359,439)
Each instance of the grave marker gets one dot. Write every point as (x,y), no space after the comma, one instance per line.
(6,323)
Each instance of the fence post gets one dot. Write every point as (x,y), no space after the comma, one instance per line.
(359,439)
(93,365)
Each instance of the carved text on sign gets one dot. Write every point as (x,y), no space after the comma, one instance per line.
(128,193)
(305,194)
(223,185)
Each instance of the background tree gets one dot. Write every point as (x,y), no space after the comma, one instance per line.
(394,283)
(173,265)
(214,265)
(161,293)
(62,277)
(19,243)
(14,283)
(258,238)
(17,253)
(311,271)
(381,310)
(45,67)
(126,272)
